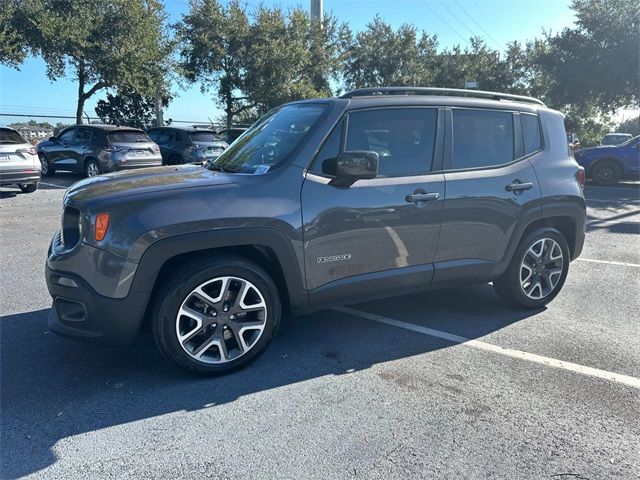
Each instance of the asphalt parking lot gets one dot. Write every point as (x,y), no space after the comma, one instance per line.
(446,384)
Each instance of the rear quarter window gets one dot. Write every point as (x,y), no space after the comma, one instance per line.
(531,133)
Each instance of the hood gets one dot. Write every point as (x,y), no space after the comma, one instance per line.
(599,148)
(144,180)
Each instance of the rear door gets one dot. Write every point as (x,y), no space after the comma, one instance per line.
(490,186)
(379,235)
(80,147)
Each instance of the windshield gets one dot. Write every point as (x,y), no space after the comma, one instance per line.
(128,136)
(9,136)
(205,137)
(270,140)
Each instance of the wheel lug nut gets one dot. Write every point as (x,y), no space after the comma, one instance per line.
(214,313)
(232,317)
(214,325)
(225,327)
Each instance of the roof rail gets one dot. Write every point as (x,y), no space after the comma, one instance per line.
(454,92)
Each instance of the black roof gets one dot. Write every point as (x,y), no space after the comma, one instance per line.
(183,129)
(101,126)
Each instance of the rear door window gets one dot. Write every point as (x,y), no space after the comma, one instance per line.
(128,136)
(482,138)
(403,138)
(531,133)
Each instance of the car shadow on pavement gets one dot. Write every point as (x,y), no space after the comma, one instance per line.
(53,388)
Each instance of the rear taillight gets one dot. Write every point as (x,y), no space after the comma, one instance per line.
(30,150)
(580,176)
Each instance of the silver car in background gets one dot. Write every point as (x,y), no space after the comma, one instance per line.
(19,164)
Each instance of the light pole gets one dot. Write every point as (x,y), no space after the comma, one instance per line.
(316,9)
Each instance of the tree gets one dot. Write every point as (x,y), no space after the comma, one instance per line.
(103,43)
(379,56)
(291,57)
(596,62)
(631,125)
(128,108)
(213,43)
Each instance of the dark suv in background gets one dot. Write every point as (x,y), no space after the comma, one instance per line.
(323,202)
(180,145)
(96,149)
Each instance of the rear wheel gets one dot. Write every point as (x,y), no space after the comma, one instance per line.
(45,168)
(174,160)
(537,271)
(92,168)
(606,172)
(216,315)
(28,187)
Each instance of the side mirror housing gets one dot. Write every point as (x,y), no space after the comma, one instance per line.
(349,167)
(53,139)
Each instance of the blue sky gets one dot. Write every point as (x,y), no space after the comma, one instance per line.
(454,21)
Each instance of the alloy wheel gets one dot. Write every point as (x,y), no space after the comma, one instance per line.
(92,170)
(221,320)
(44,166)
(541,268)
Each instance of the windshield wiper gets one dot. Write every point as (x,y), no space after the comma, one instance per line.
(218,168)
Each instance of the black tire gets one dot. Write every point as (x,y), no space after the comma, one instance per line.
(175,160)
(92,168)
(179,285)
(509,287)
(606,172)
(28,187)
(45,167)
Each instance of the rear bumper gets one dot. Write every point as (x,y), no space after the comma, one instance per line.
(21,176)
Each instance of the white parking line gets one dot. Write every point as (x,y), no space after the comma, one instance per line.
(607,262)
(507,352)
(615,200)
(52,185)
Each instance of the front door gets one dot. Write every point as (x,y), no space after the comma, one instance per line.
(490,185)
(60,154)
(382,232)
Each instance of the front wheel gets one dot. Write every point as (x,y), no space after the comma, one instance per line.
(28,187)
(215,315)
(537,271)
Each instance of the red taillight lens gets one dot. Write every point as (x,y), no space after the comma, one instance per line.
(580,176)
(102,225)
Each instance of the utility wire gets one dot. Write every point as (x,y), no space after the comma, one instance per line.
(473,34)
(445,22)
(478,25)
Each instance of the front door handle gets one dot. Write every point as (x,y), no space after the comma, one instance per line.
(420,196)
(518,186)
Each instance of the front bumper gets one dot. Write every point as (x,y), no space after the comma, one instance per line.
(89,301)
(19,176)
(80,313)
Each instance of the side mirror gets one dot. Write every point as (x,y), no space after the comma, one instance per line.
(351,166)
(53,139)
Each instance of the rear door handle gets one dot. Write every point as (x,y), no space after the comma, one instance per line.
(422,197)
(518,186)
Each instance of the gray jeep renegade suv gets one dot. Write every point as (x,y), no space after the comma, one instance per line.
(323,202)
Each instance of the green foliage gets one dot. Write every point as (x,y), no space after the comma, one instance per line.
(597,62)
(380,56)
(128,108)
(12,52)
(114,43)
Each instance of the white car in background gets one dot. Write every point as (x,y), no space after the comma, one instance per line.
(19,163)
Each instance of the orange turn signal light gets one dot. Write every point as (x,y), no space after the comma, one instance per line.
(102,225)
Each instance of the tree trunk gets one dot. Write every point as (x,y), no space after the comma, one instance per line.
(229,107)
(81,95)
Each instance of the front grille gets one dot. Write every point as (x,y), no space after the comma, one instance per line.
(70,227)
